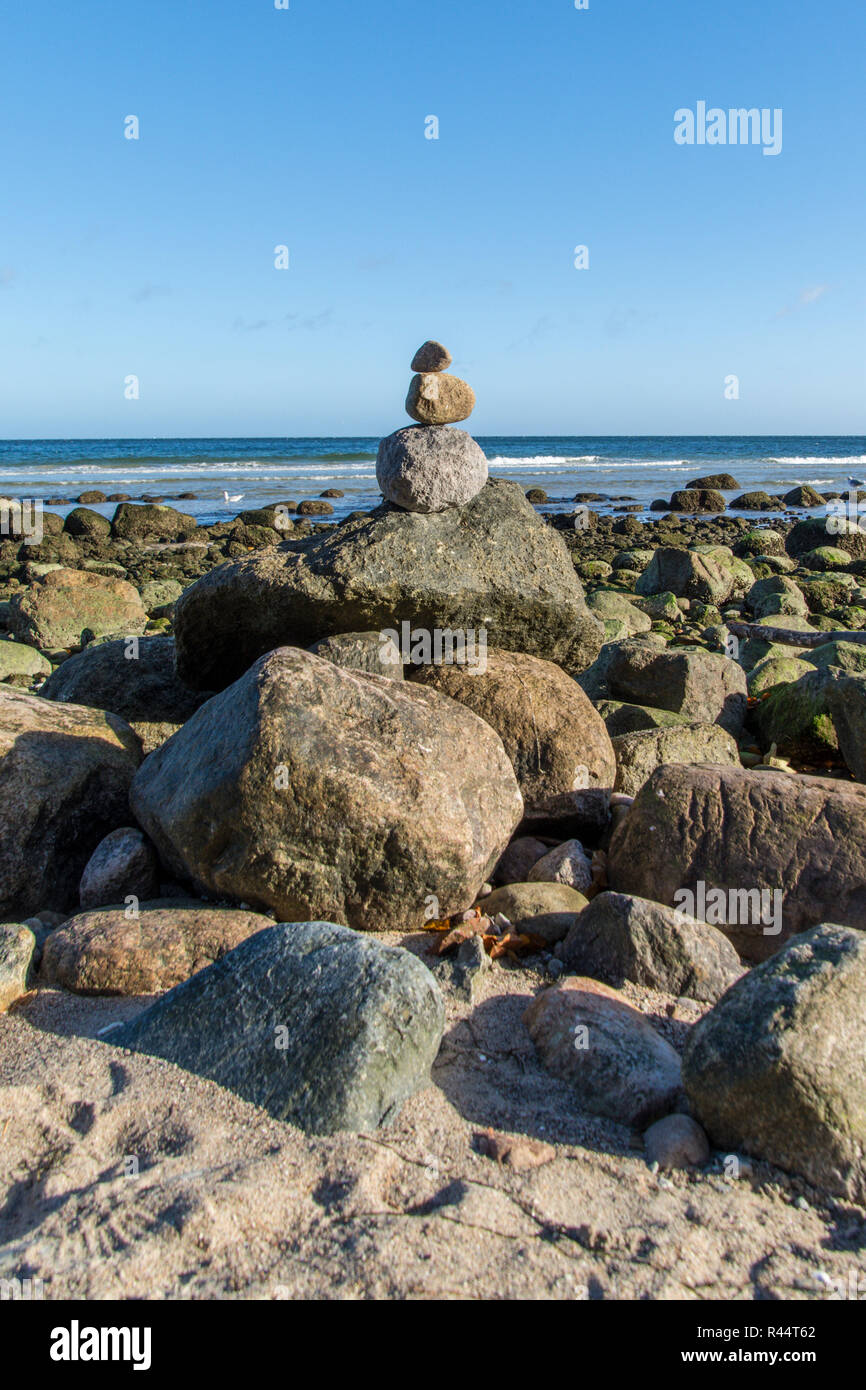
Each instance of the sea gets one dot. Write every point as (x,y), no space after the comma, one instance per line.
(228,475)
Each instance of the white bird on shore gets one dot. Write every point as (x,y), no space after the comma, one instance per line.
(856,482)
(237,498)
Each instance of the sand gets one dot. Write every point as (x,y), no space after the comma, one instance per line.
(125,1177)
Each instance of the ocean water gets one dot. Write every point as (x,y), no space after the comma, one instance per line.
(256,471)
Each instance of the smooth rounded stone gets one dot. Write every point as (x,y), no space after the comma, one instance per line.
(568,863)
(802,839)
(776,595)
(607,604)
(315,506)
(65,774)
(826,557)
(17,659)
(762,541)
(114,951)
(431,357)
(319,1026)
(147,521)
(677,1141)
(492,563)
(797,717)
(546,910)
(689,574)
(81,521)
(705,686)
(518,859)
(721,481)
(57,610)
(846,702)
(555,739)
(437,398)
(776,1068)
(837,531)
(123,863)
(17,945)
(804,496)
(620,1067)
(758,501)
(697,500)
(776,670)
(136,681)
(332,792)
(639,754)
(430,468)
(361,651)
(621,937)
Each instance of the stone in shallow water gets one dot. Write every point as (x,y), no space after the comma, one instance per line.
(430,468)
(437,398)
(318,1025)
(431,357)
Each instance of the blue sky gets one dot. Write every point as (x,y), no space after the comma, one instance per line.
(306,127)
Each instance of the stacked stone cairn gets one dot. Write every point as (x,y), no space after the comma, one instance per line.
(429,466)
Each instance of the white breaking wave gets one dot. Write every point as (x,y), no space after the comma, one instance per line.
(822,462)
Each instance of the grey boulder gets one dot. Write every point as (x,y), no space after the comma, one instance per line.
(427,468)
(314,1023)
(776,1068)
(620,937)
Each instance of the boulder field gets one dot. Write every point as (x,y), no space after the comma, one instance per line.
(290,791)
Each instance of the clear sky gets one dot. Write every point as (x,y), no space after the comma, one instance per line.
(305,127)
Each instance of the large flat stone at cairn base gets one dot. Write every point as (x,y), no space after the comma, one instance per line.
(316,1024)
(491,564)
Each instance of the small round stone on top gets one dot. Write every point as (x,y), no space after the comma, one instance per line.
(431,357)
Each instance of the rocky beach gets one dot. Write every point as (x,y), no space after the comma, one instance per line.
(460,897)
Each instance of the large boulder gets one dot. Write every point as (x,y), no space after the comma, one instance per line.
(835,530)
(620,937)
(492,564)
(688,575)
(308,789)
(704,686)
(776,1068)
(58,610)
(136,680)
(65,774)
(314,1023)
(619,1066)
(767,840)
(151,522)
(639,754)
(555,738)
(113,950)
(846,702)
(796,717)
